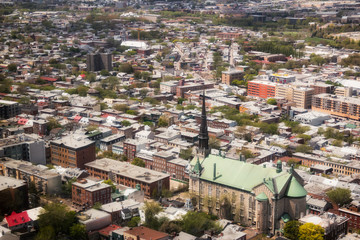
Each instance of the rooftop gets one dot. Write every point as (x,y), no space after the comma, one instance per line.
(74,142)
(146,233)
(9,182)
(128,170)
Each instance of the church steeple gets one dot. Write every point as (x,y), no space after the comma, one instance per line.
(203,134)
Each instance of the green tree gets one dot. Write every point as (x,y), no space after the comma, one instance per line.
(66,188)
(104,72)
(109,182)
(186,153)
(121,107)
(163,121)
(340,196)
(24,100)
(78,232)
(52,123)
(337,143)
(91,77)
(46,233)
(271,101)
(97,206)
(12,67)
(82,90)
(58,217)
(138,162)
(214,143)
(196,223)
(151,209)
(134,222)
(247,153)
(291,230)
(126,68)
(310,231)
(125,123)
(303,148)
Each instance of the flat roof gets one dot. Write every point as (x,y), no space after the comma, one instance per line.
(9,182)
(128,170)
(73,142)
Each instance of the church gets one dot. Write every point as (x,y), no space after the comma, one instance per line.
(253,195)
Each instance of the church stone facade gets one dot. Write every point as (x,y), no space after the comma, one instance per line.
(264,198)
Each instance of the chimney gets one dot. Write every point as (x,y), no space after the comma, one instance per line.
(214,171)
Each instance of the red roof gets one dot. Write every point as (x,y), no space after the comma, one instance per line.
(22,121)
(17,218)
(107,230)
(261,61)
(77,118)
(48,79)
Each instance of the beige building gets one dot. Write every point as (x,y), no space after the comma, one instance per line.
(300,96)
(343,92)
(253,195)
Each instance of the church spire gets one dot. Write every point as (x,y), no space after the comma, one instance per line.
(203,135)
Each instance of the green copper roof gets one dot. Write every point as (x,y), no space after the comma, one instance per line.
(237,174)
(197,168)
(295,189)
(286,217)
(262,197)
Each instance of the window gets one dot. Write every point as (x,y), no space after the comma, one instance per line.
(209,190)
(217,192)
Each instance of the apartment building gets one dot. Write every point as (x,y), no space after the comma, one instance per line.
(343,91)
(335,105)
(46,180)
(338,168)
(300,96)
(322,88)
(99,61)
(151,182)
(261,89)
(181,90)
(168,87)
(24,147)
(228,76)
(86,192)
(72,151)
(9,109)
(133,146)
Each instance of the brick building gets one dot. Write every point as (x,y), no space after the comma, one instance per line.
(322,88)
(338,168)
(71,151)
(181,90)
(261,89)
(151,182)
(86,193)
(228,76)
(133,146)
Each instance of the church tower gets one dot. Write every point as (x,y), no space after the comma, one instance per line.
(203,134)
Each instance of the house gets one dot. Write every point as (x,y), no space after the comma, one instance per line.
(144,233)
(17,221)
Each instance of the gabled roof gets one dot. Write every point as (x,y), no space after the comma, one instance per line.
(246,176)
(17,218)
(262,197)
(295,189)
